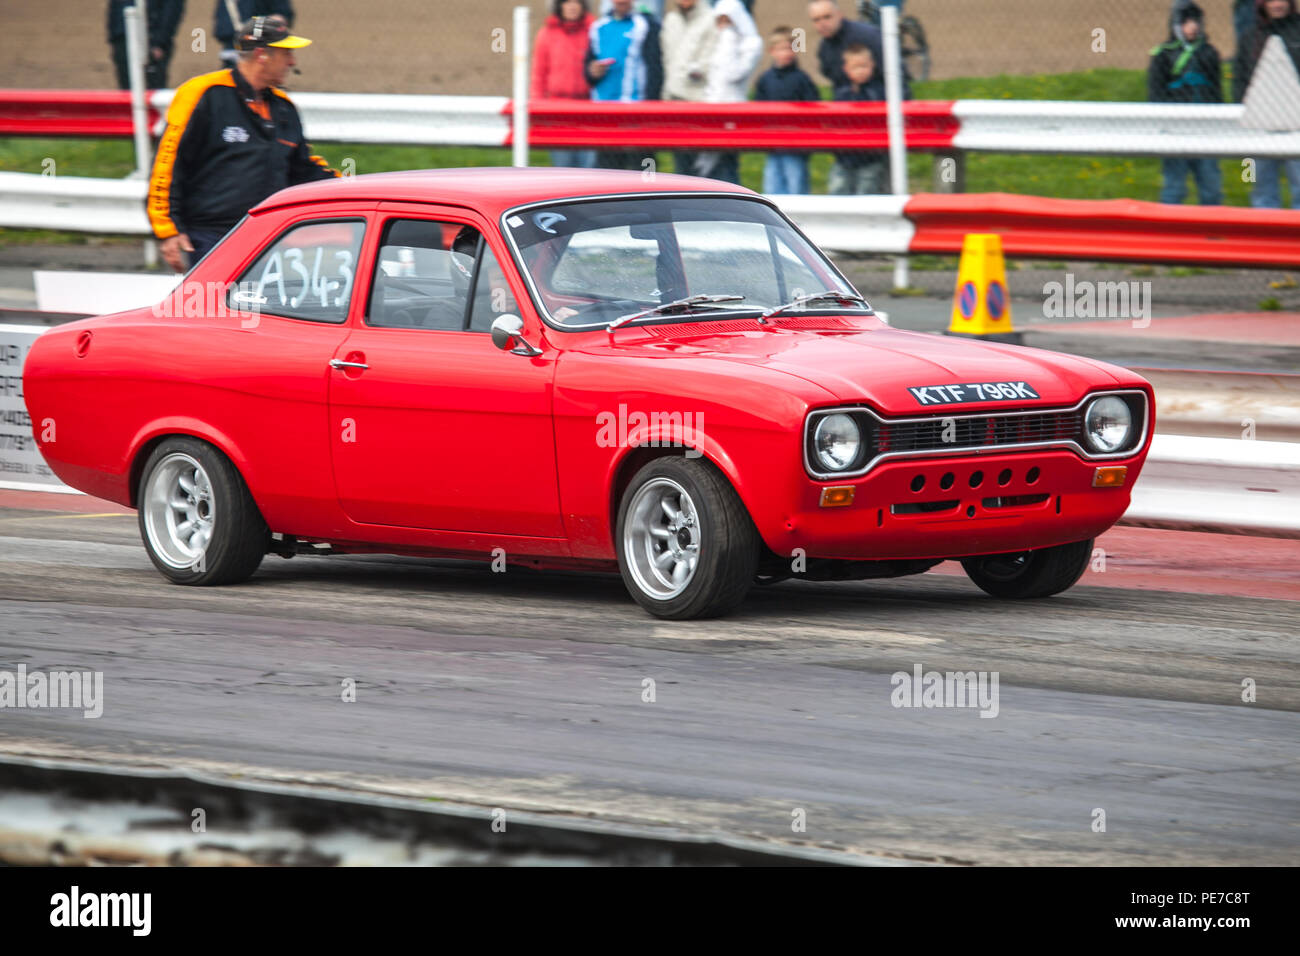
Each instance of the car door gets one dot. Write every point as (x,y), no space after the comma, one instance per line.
(263,380)
(434,426)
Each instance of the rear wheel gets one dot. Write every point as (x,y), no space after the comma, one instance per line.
(197,519)
(686,545)
(1030,574)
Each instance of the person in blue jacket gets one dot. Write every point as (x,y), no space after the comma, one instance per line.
(624,65)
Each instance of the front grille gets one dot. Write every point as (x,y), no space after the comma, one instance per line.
(974,433)
(952,434)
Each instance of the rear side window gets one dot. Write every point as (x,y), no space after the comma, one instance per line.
(308,272)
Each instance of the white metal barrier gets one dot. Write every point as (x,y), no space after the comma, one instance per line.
(1219,484)
(73,203)
(855,223)
(1115,129)
(852,223)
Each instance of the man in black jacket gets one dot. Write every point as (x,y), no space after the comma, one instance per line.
(164,18)
(1186,70)
(232,139)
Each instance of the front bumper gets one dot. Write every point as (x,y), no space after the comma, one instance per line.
(946,507)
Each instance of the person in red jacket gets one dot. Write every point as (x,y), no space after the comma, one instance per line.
(558,57)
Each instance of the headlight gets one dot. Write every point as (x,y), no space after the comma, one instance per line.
(1108,424)
(836,442)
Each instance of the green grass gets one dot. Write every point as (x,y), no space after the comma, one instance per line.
(1066,177)
(1098,85)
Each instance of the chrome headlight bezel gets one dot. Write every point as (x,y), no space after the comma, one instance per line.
(1117,410)
(818,430)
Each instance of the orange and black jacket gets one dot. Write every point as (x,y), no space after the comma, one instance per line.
(226,148)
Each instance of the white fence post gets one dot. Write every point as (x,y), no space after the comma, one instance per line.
(137,52)
(894,120)
(522,42)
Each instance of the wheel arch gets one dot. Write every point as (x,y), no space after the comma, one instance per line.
(634,459)
(157,432)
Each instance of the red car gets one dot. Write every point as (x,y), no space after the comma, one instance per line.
(576,369)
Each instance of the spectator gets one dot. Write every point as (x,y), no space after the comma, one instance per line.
(1243,17)
(869,11)
(232,139)
(164,18)
(837,32)
(1186,70)
(688,39)
(623,65)
(736,52)
(653,7)
(558,73)
(785,172)
(859,172)
(223,27)
(1273,18)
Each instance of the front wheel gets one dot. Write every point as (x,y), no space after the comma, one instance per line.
(1030,574)
(686,545)
(198,521)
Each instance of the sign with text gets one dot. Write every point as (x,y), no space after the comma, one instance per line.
(21,464)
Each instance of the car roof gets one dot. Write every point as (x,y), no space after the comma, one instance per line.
(492,189)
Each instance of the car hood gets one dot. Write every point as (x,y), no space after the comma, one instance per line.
(881,365)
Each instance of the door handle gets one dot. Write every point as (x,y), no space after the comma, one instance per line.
(339,363)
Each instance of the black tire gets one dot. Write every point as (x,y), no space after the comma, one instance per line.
(727,544)
(238,537)
(1030,574)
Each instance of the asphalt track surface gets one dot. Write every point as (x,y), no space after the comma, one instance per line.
(524,690)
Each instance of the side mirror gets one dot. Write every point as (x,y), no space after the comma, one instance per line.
(508,335)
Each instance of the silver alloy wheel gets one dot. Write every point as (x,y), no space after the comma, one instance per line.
(661,538)
(179,512)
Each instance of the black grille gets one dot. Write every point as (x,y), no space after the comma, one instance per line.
(951,434)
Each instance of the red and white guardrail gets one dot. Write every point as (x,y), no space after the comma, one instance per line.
(1122,230)
(1008,126)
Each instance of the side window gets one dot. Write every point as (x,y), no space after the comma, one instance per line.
(492,295)
(423,275)
(307,273)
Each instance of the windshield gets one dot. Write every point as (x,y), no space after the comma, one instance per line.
(594,261)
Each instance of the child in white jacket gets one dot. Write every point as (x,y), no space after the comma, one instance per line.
(735,56)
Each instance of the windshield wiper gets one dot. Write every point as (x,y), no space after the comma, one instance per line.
(815,297)
(679,304)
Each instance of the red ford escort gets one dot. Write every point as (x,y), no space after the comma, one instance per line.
(576,369)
